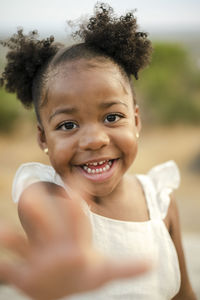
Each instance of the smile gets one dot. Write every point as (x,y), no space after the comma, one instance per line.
(98,167)
(99,170)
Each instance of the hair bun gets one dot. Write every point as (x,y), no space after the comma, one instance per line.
(26,56)
(118,38)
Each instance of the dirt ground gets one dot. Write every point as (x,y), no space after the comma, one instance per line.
(156,145)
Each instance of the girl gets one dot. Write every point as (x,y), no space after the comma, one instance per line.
(89,124)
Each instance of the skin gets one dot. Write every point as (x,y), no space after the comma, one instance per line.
(93,137)
(59,259)
(76,96)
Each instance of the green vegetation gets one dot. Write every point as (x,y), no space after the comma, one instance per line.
(170,88)
(9,110)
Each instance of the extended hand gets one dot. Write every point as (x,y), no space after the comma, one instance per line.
(60,259)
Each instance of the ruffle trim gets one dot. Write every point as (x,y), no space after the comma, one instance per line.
(165,178)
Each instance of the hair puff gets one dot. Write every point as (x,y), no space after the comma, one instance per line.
(117,38)
(26,57)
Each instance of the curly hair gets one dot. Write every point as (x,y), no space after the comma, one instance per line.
(30,60)
(118,38)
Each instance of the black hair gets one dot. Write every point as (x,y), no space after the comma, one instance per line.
(30,60)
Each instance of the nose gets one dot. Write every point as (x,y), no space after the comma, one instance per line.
(93,138)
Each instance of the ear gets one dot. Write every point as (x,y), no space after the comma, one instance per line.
(137,118)
(41,137)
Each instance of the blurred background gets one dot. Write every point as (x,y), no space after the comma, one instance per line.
(168,93)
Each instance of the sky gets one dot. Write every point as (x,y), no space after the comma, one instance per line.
(49,16)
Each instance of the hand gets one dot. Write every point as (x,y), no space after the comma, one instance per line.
(60,259)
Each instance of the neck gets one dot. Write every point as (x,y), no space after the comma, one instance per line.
(119,194)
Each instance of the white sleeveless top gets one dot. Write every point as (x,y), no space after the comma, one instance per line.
(123,239)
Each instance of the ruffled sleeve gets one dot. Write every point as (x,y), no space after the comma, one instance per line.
(30,173)
(165,178)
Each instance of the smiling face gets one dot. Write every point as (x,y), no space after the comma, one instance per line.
(90,125)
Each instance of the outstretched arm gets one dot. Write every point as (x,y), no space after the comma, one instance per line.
(60,259)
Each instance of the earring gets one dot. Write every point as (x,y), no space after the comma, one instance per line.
(137,135)
(46,150)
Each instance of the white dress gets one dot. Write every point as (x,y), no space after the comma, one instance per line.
(123,239)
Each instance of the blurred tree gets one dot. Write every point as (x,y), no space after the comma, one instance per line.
(9,111)
(170,88)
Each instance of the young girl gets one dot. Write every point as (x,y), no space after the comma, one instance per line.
(89,125)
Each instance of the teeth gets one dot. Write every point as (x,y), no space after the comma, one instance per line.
(97,170)
(97,163)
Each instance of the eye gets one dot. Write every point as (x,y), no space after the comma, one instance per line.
(67,126)
(112,118)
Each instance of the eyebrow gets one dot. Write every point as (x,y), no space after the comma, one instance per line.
(109,104)
(72,110)
(69,110)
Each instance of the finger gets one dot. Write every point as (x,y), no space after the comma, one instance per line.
(14,242)
(77,226)
(111,270)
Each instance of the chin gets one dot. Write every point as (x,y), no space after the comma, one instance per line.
(101,190)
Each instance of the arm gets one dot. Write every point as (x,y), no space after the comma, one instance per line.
(185,292)
(60,259)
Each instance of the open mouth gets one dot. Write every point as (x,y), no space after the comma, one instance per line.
(98,167)
(99,171)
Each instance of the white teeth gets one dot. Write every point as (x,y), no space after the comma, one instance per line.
(97,170)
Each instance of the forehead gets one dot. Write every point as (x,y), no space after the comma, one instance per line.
(84,80)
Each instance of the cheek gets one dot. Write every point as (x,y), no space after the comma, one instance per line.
(60,153)
(128,144)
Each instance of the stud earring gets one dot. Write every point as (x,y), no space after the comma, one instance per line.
(137,135)
(46,150)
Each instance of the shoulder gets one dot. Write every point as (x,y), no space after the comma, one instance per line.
(165,178)
(30,173)
(165,175)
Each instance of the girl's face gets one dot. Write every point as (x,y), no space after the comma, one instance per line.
(90,126)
